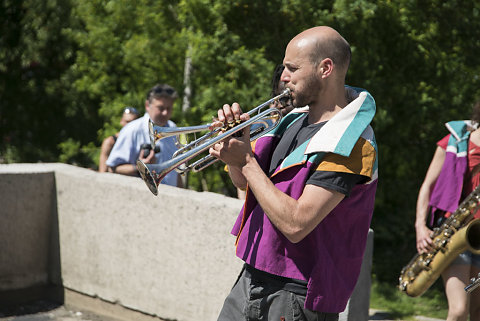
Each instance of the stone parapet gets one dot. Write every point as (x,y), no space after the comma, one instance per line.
(106,236)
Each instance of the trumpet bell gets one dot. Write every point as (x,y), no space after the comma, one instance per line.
(149,177)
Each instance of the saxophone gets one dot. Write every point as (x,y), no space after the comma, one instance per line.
(474,283)
(458,233)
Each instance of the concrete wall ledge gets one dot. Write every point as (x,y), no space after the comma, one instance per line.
(105,237)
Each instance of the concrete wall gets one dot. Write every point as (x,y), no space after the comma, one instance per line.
(27,209)
(106,236)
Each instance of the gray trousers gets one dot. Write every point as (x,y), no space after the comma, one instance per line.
(256,298)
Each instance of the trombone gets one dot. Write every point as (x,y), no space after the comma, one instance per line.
(153,174)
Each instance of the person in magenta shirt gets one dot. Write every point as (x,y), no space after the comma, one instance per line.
(453,174)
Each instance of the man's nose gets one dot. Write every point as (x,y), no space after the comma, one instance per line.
(285,77)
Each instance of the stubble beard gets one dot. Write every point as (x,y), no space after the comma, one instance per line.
(305,96)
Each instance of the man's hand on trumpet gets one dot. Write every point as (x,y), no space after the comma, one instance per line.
(233,151)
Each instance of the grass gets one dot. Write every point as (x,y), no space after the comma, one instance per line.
(387,297)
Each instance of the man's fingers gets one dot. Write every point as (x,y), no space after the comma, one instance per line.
(215,124)
(244,117)
(236,110)
(227,113)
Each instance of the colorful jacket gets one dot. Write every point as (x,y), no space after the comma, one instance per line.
(330,257)
(447,193)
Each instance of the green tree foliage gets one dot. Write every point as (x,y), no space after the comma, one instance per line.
(124,48)
(419,64)
(67,69)
(38,110)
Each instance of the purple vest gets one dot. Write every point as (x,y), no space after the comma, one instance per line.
(447,193)
(329,258)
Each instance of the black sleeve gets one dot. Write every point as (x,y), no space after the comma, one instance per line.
(337,181)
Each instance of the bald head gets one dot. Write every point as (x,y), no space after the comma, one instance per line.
(324,42)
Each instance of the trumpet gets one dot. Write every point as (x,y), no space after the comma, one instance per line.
(153,174)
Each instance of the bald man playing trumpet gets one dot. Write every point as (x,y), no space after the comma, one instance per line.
(310,186)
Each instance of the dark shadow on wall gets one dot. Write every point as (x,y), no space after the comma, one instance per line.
(32,245)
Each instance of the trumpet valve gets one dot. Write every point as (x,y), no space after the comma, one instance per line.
(231,124)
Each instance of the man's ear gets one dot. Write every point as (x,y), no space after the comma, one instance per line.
(326,67)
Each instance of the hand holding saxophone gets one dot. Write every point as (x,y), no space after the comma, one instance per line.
(458,233)
(424,239)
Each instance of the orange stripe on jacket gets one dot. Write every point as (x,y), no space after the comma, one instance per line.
(360,161)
